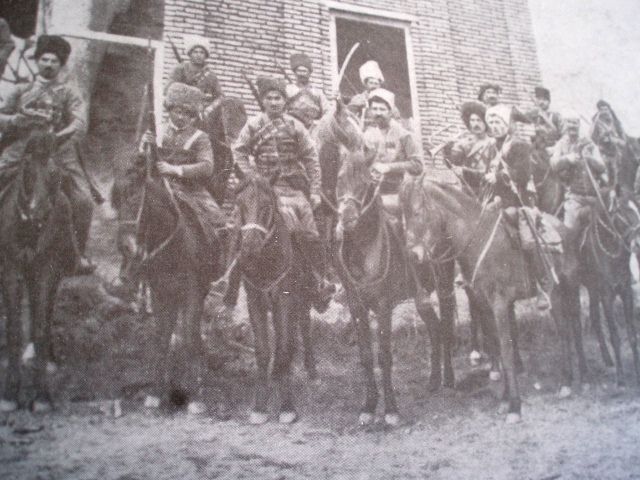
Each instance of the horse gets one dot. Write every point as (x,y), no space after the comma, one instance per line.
(549,189)
(495,267)
(222,122)
(375,270)
(275,280)
(170,249)
(607,244)
(38,248)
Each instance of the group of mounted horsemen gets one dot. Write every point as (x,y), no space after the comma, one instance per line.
(321,184)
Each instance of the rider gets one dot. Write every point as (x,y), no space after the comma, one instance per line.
(471,154)
(305,102)
(281,146)
(548,124)
(53,104)
(195,72)
(394,149)
(372,79)
(6,44)
(570,158)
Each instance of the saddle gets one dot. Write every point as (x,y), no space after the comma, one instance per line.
(530,230)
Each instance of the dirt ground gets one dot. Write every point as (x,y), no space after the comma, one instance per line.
(101,348)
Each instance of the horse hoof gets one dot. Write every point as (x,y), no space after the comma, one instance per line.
(392,419)
(565,392)
(52,368)
(8,406)
(365,419)
(41,406)
(474,358)
(196,408)
(287,418)
(258,418)
(151,401)
(494,376)
(29,354)
(513,418)
(503,408)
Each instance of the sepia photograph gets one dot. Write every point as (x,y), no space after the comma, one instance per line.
(319,239)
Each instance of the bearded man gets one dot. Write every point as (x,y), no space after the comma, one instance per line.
(305,102)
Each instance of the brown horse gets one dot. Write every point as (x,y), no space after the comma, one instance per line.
(170,250)
(606,248)
(275,280)
(38,248)
(497,270)
(373,266)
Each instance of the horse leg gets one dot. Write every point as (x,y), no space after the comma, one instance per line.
(166,313)
(307,340)
(501,308)
(513,327)
(627,305)
(431,320)
(447,300)
(45,286)
(284,322)
(12,296)
(562,312)
(366,360)
(385,360)
(193,348)
(609,315)
(596,324)
(474,325)
(258,316)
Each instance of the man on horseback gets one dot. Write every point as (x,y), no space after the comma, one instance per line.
(195,72)
(282,151)
(49,103)
(548,124)
(394,149)
(472,153)
(305,102)
(571,157)
(372,79)
(6,44)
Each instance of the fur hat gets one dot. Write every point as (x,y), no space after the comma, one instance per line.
(268,84)
(193,41)
(53,44)
(300,60)
(185,96)
(469,108)
(488,86)
(383,94)
(503,112)
(371,69)
(542,92)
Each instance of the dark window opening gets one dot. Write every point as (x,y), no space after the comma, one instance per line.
(386,45)
(21,15)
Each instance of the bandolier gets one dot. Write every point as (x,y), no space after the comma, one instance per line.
(305,102)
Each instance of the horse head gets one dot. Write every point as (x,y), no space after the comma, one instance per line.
(356,191)
(257,208)
(39,180)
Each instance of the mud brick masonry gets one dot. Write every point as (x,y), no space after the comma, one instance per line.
(456,44)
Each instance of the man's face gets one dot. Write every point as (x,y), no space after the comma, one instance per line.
(181,117)
(273,102)
(542,103)
(573,129)
(198,55)
(490,96)
(605,113)
(497,127)
(477,125)
(49,66)
(302,74)
(381,113)
(372,83)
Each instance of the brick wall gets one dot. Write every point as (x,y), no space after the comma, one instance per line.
(457,45)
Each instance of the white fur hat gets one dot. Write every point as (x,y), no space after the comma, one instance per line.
(371,69)
(501,111)
(193,41)
(385,95)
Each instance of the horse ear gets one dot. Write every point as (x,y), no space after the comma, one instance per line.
(238,172)
(339,105)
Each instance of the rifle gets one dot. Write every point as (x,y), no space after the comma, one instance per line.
(253,89)
(152,147)
(282,70)
(176,52)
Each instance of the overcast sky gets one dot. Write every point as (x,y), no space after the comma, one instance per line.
(590,49)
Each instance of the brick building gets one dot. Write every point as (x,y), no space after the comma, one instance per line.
(434,53)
